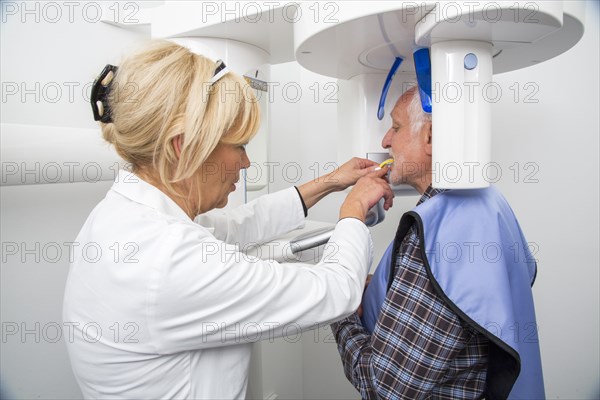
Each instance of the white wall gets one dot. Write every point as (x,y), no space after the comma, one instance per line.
(559,213)
(35,364)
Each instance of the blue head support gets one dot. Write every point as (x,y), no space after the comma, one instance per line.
(386,87)
(423,69)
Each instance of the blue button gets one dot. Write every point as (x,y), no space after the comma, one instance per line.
(470,61)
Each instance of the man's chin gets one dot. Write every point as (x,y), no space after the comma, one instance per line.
(397,180)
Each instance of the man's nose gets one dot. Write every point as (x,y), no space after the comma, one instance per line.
(386,141)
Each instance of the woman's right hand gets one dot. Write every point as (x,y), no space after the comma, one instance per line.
(366,193)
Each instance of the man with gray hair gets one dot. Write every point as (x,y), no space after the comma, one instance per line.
(441,318)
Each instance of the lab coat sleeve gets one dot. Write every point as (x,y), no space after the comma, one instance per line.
(211,295)
(258,221)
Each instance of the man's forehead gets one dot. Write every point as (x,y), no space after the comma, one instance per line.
(402,103)
(401,106)
(407,95)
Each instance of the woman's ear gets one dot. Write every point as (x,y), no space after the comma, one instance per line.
(427,138)
(177,143)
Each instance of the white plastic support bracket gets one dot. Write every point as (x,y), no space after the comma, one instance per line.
(462,93)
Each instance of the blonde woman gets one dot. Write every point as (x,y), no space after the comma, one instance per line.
(168,307)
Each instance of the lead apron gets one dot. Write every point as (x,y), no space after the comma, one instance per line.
(479,262)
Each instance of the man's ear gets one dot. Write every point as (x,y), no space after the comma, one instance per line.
(177,142)
(427,138)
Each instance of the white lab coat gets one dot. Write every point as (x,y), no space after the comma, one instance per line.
(159,306)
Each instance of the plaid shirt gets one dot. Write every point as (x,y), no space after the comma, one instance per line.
(419,349)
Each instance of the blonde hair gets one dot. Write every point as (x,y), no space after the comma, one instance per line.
(163,91)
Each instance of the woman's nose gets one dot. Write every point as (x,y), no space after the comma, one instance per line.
(245,161)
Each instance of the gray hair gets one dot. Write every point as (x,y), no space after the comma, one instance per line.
(416,115)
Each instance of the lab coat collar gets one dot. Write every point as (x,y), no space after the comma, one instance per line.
(136,189)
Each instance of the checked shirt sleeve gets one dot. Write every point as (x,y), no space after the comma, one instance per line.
(354,345)
(419,348)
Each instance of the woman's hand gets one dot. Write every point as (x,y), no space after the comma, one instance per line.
(366,193)
(340,179)
(347,174)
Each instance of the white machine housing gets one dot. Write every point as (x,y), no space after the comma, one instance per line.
(468,42)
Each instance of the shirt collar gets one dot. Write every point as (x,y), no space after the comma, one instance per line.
(136,189)
(429,193)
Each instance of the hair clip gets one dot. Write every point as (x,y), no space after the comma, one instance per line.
(100,91)
(219,72)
